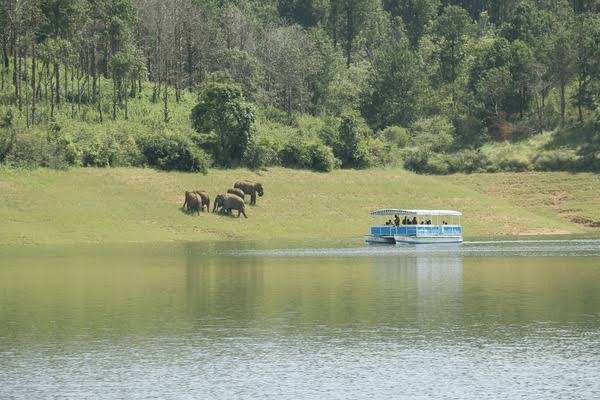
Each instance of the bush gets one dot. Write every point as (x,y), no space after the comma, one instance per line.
(99,152)
(467,160)
(511,164)
(417,160)
(556,160)
(424,161)
(311,155)
(34,148)
(377,152)
(396,135)
(436,133)
(173,152)
(260,153)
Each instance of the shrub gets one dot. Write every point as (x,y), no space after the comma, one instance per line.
(556,160)
(436,133)
(173,152)
(260,153)
(99,152)
(467,160)
(311,155)
(416,160)
(377,152)
(349,148)
(512,164)
(396,135)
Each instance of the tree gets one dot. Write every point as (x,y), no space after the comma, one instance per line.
(451,30)
(396,86)
(127,66)
(562,63)
(304,12)
(348,148)
(416,14)
(289,56)
(350,19)
(587,64)
(225,121)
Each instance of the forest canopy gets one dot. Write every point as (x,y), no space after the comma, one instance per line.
(435,85)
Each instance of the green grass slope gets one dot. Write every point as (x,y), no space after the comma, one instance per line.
(95,205)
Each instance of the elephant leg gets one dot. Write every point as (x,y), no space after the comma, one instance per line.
(241,210)
(253,198)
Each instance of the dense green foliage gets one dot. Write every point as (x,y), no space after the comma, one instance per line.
(437,86)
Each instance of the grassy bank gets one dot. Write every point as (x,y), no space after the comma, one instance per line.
(127,204)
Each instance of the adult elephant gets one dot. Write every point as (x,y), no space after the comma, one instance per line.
(237,192)
(251,188)
(228,202)
(192,202)
(204,199)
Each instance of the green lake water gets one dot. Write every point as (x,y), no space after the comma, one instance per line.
(487,320)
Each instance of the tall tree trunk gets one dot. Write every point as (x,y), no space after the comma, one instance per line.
(73,92)
(5,62)
(94,65)
(579,90)
(349,36)
(126,103)
(16,78)
(99,103)
(20,79)
(114,113)
(57,81)
(33,87)
(5,53)
(66,69)
(166,104)
(562,102)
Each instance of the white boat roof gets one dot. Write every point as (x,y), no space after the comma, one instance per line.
(397,211)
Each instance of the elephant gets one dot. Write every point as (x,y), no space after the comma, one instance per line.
(204,199)
(229,201)
(251,188)
(237,192)
(193,202)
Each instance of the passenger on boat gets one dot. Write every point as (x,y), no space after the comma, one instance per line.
(414,221)
(405,221)
(388,222)
(396,220)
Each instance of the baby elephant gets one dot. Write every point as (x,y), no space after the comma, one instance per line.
(193,203)
(228,202)
(204,199)
(236,191)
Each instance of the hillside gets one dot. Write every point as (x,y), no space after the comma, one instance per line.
(436,87)
(95,205)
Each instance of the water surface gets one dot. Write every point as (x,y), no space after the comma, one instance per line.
(519,319)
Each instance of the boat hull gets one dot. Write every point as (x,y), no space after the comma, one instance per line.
(398,239)
(371,239)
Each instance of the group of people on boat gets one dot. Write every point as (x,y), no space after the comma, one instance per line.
(407,221)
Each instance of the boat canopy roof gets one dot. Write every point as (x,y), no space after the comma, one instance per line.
(396,211)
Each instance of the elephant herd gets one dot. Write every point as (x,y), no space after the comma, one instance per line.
(196,200)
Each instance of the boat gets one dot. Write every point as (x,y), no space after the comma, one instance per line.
(432,227)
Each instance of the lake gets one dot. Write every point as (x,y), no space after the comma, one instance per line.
(500,320)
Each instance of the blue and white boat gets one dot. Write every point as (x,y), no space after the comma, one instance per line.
(416,227)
